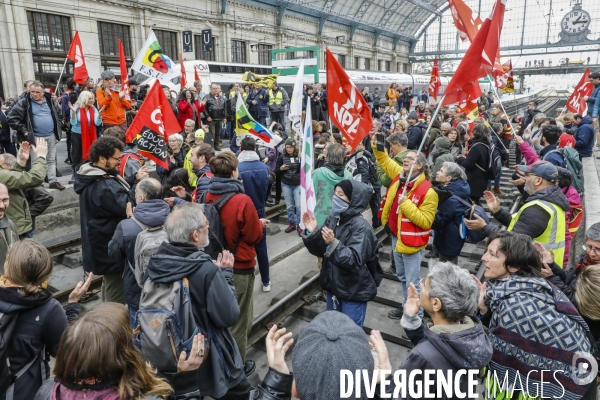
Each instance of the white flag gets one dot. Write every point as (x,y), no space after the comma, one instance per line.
(296,103)
(307,190)
(151,61)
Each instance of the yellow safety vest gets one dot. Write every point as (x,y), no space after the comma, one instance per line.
(275,99)
(553,238)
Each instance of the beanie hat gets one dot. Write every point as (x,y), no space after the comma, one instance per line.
(290,142)
(346,186)
(412,115)
(330,343)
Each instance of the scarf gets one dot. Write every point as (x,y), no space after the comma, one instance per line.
(534,326)
(338,206)
(584,261)
(88,131)
(336,169)
(225,185)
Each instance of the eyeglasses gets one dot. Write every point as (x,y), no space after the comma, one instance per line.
(410,159)
(116,159)
(422,282)
(591,249)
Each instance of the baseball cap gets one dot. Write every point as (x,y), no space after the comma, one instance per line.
(133,82)
(199,134)
(290,142)
(543,169)
(107,74)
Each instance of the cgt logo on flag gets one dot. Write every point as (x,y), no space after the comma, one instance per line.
(576,104)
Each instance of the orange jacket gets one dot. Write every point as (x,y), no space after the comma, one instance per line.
(114,111)
(392,96)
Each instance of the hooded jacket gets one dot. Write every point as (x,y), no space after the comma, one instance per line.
(121,248)
(40,324)
(445,348)
(415,135)
(440,154)
(17,179)
(533,220)
(214,306)
(448,219)
(103,198)
(255,176)
(324,181)
(584,137)
(345,270)
(20,117)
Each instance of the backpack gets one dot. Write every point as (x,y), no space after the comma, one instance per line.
(492,169)
(165,324)
(8,323)
(573,164)
(212,211)
(146,244)
(472,210)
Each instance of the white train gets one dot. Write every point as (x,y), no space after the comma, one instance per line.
(227,74)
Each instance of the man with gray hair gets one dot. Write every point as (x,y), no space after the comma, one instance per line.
(150,213)
(325,179)
(398,143)
(212,293)
(215,111)
(452,185)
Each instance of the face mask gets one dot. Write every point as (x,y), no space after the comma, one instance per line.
(338,206)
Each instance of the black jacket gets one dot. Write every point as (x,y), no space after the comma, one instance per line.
(20,118)
(533,220)
(415,136)
(215,309)
(103,198)
(289,176)
(40,325)
(353,254)
(364,165)
(214,111)
(4,128)
(121,248)
(448,218)
(479,156)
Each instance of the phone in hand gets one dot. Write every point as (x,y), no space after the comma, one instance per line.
(380,142)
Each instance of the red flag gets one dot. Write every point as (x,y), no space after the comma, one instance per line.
(576,104)
(463,19)
(435,81)
(346,106)
(183,81)
(123,66)
(152,125)
(196,76)
(504,80)
(75,54)
(477,61)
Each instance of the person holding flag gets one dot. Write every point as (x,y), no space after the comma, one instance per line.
(112,99)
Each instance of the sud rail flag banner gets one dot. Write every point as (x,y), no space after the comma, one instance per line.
(75,54)
(307,190)
(504,80)
(295,115)
(576,104)
(346,105)
(152,126)
(151,61)
(265,81)
(246,125)
(435,82)
(123,69)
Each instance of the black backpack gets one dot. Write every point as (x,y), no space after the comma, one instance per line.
(492,169)
(212,211)
(8,323)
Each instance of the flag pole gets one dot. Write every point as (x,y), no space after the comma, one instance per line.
(512,129)
(425,136)
(60,76)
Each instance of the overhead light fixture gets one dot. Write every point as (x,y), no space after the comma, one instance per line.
(340,39)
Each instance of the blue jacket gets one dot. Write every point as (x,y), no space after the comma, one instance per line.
(446,237)
(255,176)
(593,102)
(584,137)
(261,109)
(551,156)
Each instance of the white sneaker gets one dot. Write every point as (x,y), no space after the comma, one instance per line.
(267,287)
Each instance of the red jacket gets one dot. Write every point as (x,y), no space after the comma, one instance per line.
(239,217)
(186,112)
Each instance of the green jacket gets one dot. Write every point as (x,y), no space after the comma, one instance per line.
(9,236)
(383,178)
(324,181)
(17,179)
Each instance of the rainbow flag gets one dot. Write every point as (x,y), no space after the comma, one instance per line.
(307,190)
(246,125)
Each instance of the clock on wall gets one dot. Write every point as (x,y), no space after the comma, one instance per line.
(575,25)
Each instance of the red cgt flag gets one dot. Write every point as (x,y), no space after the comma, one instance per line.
(196,76)
(576,104)
(346,106)
(463,19)
(152,125)
(435,82)
(123,67)
(75,54)
(480,58)
(183,81)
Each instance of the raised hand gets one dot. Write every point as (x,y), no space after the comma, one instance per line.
(547,256)
(310,223)
(41,147)
(413,303)
(179,191)
(80,289)
(278,342)
(225,259)
(482,289)
(328,235)
(382,352)
(492,201)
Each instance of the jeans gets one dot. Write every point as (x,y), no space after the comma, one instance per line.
(356,310)
(262,257)
(408,269)
(277,116)
(8,147)
(51,157)
(262,121)
(291,194)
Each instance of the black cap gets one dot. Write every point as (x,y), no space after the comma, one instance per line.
(133,82)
